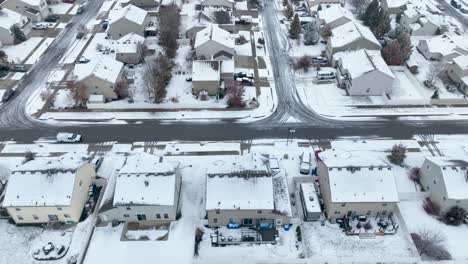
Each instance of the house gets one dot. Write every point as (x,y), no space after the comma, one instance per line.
(458,69)
(444,47)
(214,43)
(49,189)
(229,4)
(353,186)
(129,48)
(334,16)
(145,189)
(36,10)
(8,19)
(314,4)
(446,179)
(417,23)
(394,6)
(206,76)
(100,76)
(310,202)
(363,73)
(141,3)
(351,36)
(197,23)
(127,20)
(247,193)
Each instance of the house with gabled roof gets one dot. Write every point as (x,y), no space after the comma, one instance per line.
(333,16)
(127,20)
(129,48)
(351,36)
(197,23)
(218,3)
(363,73)
(446,180)
(100,76)
(215,43)
(417,23)
(36,10)
(145,190)
(444,47)
(355,185)
(49,189)
(246,192)
(8,19)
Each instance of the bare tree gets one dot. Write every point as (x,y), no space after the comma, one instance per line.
(235,92)
(48,96)
(121,88)
(430,243)
(303,63)
(79,94)
(156,77)
(326,31)
(289,12)
(431,76)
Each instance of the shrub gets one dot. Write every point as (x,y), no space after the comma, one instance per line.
(455,216)
(398,154)
(299,233)
(431,207)
(368,225)
(415,175)
(28,156)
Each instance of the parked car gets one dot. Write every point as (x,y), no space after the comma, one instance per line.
(7,95)
(82,59)
(441,8)
(464,11)
(325,75)
(455,4)
(306,158)
(80,9)
(18,68)
(244,74)
(51,18)
(68,138)
(80,35)
(41,26)
(319,61)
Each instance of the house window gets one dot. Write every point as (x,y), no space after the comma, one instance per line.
(35,217)
(141,217)
(217,211)
(59,208)
(247,221)
(337,212)
(129,208)
(18,209)
(384,212)
(126,215)
(259,211)
(20,217)
(343,205)
(384,204)
(158,215)
(368,213)
(215,220)
(66,215)
(52,218)
(166,216)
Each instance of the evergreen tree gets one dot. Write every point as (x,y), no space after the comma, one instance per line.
(289,12)
(295,28)
(285,2)
(371,9)
(311,36)
(382,23)
(18,34)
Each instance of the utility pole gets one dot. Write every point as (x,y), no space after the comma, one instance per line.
(290,135)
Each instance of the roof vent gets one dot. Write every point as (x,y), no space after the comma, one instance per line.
(146,183)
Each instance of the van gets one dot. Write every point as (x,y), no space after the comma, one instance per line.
(68,138)
(305,162)
(325,75)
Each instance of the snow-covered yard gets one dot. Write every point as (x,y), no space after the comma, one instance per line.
(18,53)
(299,49)
(63,99)
(246,48)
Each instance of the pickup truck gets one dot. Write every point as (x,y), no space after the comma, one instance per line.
(68,138)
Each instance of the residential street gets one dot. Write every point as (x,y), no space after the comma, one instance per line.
(15,124)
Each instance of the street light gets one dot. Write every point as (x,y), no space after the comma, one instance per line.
(291,132)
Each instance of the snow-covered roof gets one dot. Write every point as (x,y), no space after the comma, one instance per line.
(35,3)
(227,66)
(359,179)
(206,71)
(144,180)
(363,61)
(455,175)
(44,181)
(333,13)
(128,43)
(254,162)
(462,62)
(130,12)
(350,32)
(309,194)
(237,192)
(9,18)
(396,3)
(103,67)
(214,33)
(447,44)
(200,19)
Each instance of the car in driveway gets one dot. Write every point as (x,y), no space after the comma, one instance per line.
(7,95)
(80,9)
(82,59)
(41,26)
(18,68)
(68,138)
(51,18)
(305,166)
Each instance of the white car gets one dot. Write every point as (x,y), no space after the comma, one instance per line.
(68,138)
(305,163)
(42,26)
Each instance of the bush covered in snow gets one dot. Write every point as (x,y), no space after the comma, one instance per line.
(398,154)
(431,207)
(455,216)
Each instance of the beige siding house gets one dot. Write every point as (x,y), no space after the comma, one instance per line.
(444,47)
(145,190)
(246,193)
(351,36)
(363,73)
(417,23)
(214,42)
(36,10)
(446,179)
(8,19)
(196,24)
(127,20)
(129,48)
(100,76)
(334,16)
(354,186)
(49,190)
(458,69)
